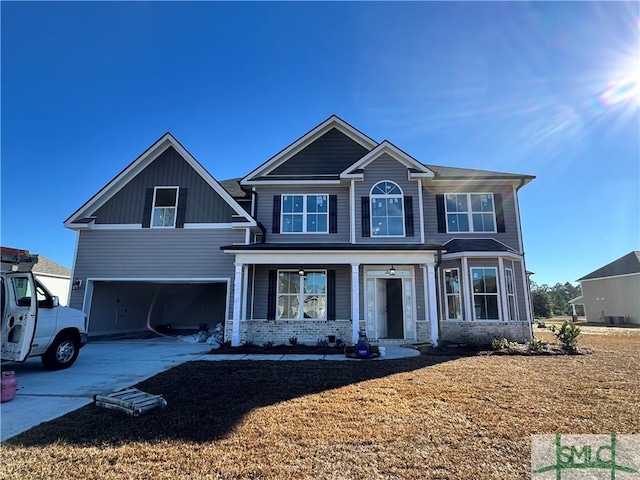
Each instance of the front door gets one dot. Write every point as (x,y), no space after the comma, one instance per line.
(389,303)
(395,311)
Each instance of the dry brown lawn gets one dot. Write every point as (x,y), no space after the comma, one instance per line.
(425,417)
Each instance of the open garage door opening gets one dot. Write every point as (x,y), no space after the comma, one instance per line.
(119,307)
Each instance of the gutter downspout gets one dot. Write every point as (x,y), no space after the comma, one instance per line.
(438,293)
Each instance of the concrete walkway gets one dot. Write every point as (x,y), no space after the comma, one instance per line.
(104,367)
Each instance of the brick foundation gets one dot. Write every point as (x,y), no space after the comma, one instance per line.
(484,332)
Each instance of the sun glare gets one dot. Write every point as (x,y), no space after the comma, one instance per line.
(625,87)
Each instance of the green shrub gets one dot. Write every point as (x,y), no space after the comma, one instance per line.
(293,341)
(536,344)
(567,334)
(501,342)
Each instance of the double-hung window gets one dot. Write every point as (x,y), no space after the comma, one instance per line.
(387,210)
(512,308)
(165,206)
(485,293)
(301,297)
(305,213)
(470,212)
(452,289)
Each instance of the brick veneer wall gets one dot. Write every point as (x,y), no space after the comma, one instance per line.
(484,332)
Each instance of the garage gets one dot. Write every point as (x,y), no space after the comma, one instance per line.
(130,306)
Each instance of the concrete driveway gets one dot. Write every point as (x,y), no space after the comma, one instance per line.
(101,368)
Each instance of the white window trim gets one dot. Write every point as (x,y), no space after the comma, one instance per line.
(153,206)
(372,196)
(304,213)
(473,294)
(447,295)
(515,298)
(470,212)
(301,294)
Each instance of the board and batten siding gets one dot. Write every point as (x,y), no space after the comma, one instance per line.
(386,168)
(204,205)
(265,212)
(343,288)
(330,154)
(153,253)
(511,235)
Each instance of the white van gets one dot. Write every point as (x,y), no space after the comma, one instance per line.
(41,327)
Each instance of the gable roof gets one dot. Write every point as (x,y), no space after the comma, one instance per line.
(625,265)
(47,266)
(139,164)
(333,122)
(416,168)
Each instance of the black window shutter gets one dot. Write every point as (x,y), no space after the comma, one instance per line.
(272,295)
(333,214)
(497,200)
(408,216)
(331,294)
(276,214)
(146,212)
(366,223)
(442,217)
(182,207)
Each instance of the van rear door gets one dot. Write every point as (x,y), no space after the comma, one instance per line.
(19,315)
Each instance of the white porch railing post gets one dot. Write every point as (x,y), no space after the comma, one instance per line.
(355,300)
(433,306)
(237,302)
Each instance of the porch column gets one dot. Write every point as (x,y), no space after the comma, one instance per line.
(466,291)
(237,302)
(503,290)
(433,306)
(355,300)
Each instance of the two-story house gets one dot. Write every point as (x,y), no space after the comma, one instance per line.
(335,234)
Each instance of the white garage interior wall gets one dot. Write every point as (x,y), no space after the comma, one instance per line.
(134,306)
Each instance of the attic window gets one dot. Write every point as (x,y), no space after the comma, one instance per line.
(165,206)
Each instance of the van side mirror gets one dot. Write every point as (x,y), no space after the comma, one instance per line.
(56,301)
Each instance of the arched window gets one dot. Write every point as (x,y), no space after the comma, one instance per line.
(387,210)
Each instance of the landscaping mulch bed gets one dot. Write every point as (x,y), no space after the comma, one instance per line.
(278,350)
(467,350)
(444,417)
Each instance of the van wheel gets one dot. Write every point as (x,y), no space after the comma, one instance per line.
(62,353)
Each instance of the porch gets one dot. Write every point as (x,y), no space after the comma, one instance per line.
(293,292)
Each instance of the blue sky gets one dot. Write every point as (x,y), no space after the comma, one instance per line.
(542,88)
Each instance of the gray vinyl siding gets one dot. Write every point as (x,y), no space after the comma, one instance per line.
(511,235)
(615,296)
(343,288)
(386,168)
(153,253)
(265,213)
(330,154)
(204,205)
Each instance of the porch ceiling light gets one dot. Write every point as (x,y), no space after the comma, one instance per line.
(391,271)
(301,272)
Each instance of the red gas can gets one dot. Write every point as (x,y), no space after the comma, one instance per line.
(9,386)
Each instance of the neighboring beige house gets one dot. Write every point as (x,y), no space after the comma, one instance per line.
(54,277)
(611,294)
